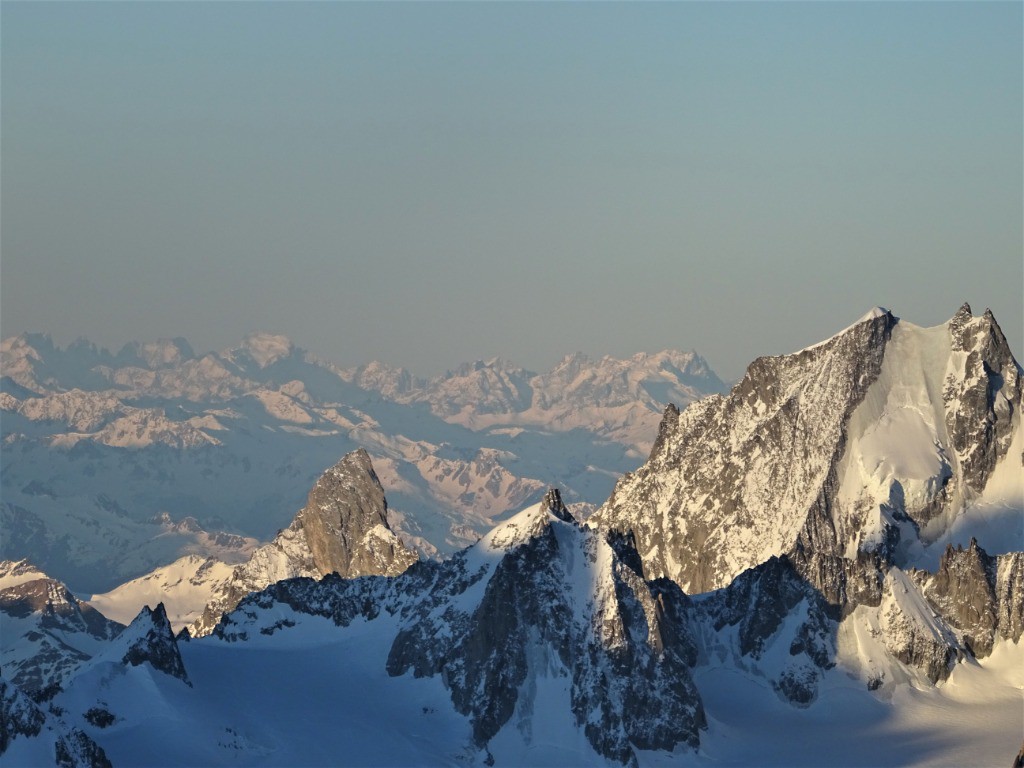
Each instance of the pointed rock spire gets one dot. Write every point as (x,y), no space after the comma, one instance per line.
(150,638)
(346,525)
(960,320)
(553,503)
(342,529)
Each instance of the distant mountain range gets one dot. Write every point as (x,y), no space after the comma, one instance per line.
(118,463)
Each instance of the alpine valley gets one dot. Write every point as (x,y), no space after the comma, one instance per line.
(822,566)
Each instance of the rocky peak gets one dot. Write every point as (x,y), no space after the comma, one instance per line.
(841,455)
(963,590)
(733,479)
(553,503)
(959,320)
(342,529)
(346,525)
(982,394)
(149,638)
(561,593)
(536,597)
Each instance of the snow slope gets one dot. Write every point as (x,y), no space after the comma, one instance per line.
(317,673)
(974,718)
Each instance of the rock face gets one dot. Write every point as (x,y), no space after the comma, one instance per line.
(345,523)
(700,506)
(20,716)
(45,631)
(963,591)
(849,459)
(980,596)
(1010,595)
(848,455)
(984,389)
(912,631)
(342,529)
(538,595)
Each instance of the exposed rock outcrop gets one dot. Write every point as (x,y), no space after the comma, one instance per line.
(774,612)
(913,632)
(982,395)
(963,592)
(731,480)
(850,458)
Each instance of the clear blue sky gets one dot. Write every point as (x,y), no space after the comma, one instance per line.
(427,184)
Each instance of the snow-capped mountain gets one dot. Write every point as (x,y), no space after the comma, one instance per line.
(45,631)
(884,442)
(847,522)
(97,445)
(343,529)
(185,587)
(617,399)
(539,601)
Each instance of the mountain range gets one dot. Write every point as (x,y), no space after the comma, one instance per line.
(115,464)
(823,565)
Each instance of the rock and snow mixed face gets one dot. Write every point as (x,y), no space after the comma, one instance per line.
(878,442)
(539,601)
(29,735)
(799,505)
(45,631)
(543,642)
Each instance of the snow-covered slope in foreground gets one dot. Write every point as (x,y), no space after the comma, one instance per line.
(543,645)
(974,718)
(314,695)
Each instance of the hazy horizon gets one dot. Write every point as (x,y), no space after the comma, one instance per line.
(433,184)
(200,351)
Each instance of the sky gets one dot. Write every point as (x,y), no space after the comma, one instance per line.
(427,184)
